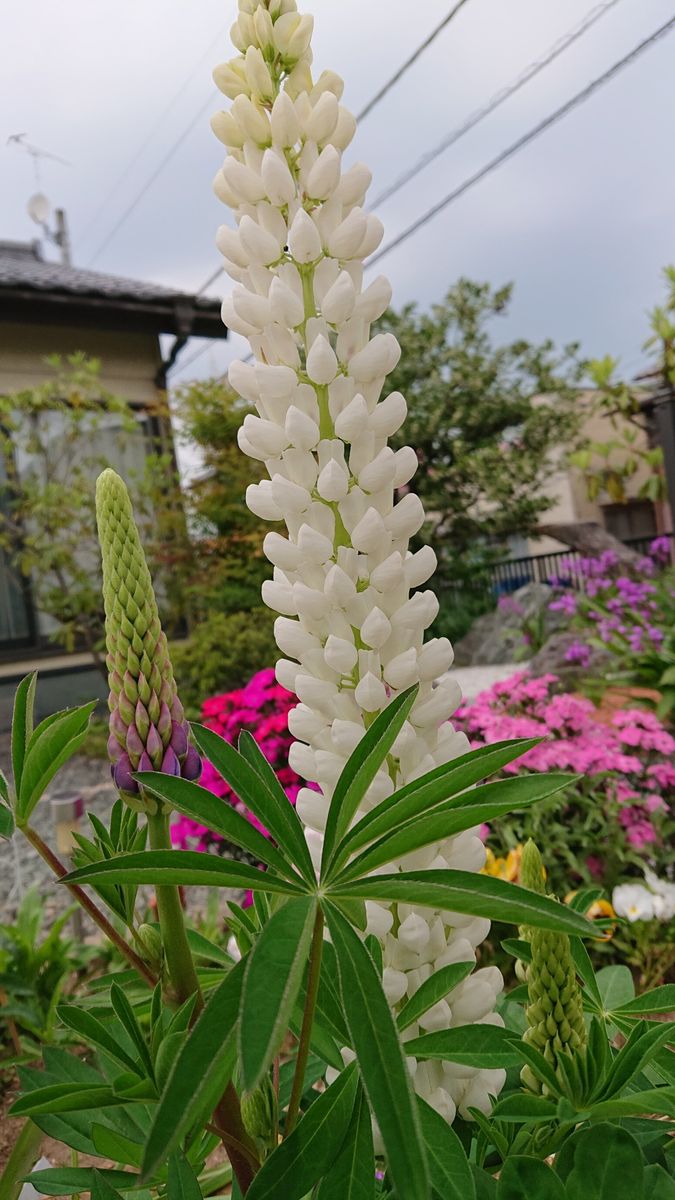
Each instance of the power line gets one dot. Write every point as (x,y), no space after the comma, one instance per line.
(554,117)
(148,139)
(149,182)
(495,102)
(409,61)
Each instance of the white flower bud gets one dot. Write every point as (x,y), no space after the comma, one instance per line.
(439,706)
(328,81)
(264,434)
(275,382)
(292,35)
(370,693)
(230,78)
(285,306)
(251,308)
(340,654)
(260,245)
(401,672)
(233,321)
(301,430)
(378,358)
(413,933)
(324,176)
(405,467)
(257,74)
(372,237)
(435,658)
(379,920)
(344,130)
(291,638)
(279,596)
(395,985)
(435,1018)
(277,179)
(389,415)
(286,674)
(253,120)
(304,242)
(290,497)
(406,518)
(354,185)
(314,546)
(338,302)
(311,602)
(229,244)
(388,574)
(375,300)
(380,472)
(245,182)
(376,629)
(302,760)
(333,482)
(264,29)
(284,121)
(419,611)
(338,586)
(311,806)
(323,118)
(261,502)
(344,242)
(370,533)
(228,130)
(352,422)
(322,363)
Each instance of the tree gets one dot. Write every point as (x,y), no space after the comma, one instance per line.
(608,466)
(486,420)
(227,535)
(54,440)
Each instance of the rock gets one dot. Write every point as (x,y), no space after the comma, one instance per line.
(550,660)
(497,637)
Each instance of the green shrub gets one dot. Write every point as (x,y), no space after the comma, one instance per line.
(222,654)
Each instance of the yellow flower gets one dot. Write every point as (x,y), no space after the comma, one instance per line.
(504,868)
(600,910)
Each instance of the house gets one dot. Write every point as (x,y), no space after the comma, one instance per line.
(49,308)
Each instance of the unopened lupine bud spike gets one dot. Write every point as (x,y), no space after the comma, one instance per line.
(141,704)
(352,623)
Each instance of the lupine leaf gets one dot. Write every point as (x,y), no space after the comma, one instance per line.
(453,778)
(659,1185)
(616,986)
(435,988)
(361,768)
(449,1169)
(642,1045)
(381,1060)
(485,1046)
(183,1184)
(64,1097)
(195,801)
(606,1164)
(540,1066)
(101,1189)
(200,1073)
(22,725)
(46,753)
(182,867)
(653,1100)
(6,823)
(465,892)
(273,977)
(487,802)
(95,1032)
(307,1154)
(63,1181)
(111,1144)
(282,820)
(659,1000)
(352,1174)
(524,1109)
(252,752)
(126,1016)
(523,1176)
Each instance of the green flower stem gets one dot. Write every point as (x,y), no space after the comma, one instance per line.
(315,954)
(179,959)
(89,907)
(21,1161)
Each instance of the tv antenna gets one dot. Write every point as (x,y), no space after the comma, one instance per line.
(39,206)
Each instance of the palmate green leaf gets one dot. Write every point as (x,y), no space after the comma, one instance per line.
(111,1144)
(602,1163)
(659,1000)
(281,819)
(200,1072)
(309,1152)
(273,977)
(616,987)
(94,1032)
(361,768)
(436,787)
(449,1169)
(644,1042)
(485,1046)
(522,1177)
(101,1189)
(487,802)
(22,724)
(251,751)
(183,1184)
(435,988)
(352,1174)
(381,1060)
(541,1066)
(659,1185)
(127,1018)
(181,867)
(52,744)
(196,802)
(64,1181)
(524,1109)
(6,823)
(474,894)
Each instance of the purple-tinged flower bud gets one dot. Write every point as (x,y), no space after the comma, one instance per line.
(134,744)
(141,719)
(154,747)
(170,764)
(179,740)
(115,751)
(177,710)
(123,775)
(163,722)
(118,729)
(144,763)
(192,764)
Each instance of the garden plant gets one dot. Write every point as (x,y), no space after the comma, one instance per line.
(352,1047)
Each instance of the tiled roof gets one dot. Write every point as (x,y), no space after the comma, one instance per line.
(23,267)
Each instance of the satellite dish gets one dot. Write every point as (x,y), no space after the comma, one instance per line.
(39,208)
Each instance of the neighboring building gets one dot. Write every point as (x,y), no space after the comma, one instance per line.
(635,518)
(51,308)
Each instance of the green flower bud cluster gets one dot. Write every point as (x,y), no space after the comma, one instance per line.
(148,730)
(260,1114)
(555,1011)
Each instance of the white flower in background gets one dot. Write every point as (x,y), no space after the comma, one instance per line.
(633,901)
(351,633)
(663,893)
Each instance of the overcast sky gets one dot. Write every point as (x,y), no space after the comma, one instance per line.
(581,221)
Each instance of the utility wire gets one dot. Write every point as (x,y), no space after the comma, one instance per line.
(409,61)
(124,174)
(552,119)
(496,101)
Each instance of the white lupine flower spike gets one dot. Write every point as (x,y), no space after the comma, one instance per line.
(351,633)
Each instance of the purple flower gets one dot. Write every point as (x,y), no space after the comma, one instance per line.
(567,603)
(579,653)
